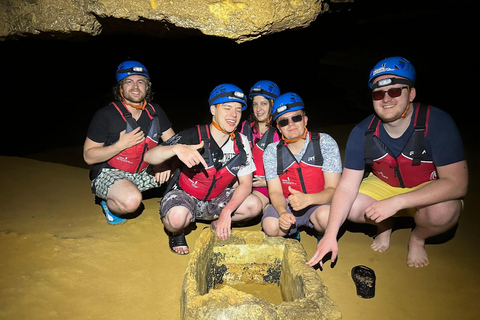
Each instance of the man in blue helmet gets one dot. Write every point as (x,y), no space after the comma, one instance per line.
(415,161)
(117,139)
(212,156)
(302,171)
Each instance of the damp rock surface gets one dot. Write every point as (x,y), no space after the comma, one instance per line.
(216,268)
(240,20)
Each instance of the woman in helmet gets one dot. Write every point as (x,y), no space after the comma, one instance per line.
(212,157)
(260,131)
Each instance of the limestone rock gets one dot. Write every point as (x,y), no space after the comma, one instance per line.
(240,20)
(248,258)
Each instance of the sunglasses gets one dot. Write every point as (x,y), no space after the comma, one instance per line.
(284,121)
(393,93)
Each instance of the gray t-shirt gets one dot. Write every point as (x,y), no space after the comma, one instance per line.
(332,161)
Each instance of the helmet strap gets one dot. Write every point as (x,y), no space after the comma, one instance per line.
(303,136)
(404,114)
(231,134)
(136,106)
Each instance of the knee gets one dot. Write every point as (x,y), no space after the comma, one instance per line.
(270,226)
(320,217)
(444,214)
(256,206)
(130,203)
(251,207)
(178,217)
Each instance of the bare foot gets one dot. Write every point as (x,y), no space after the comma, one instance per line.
(417,255)
(381,243)
(178,244)
(181,250)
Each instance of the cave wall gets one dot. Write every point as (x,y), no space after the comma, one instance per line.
(240,20)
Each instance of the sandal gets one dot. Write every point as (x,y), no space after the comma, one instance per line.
(177,241)
(364,279)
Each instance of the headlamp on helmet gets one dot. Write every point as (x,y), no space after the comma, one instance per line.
(285,103)
(227,93)
(265,88)
(130,68)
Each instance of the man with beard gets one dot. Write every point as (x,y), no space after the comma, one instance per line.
(416,161)
(117,139)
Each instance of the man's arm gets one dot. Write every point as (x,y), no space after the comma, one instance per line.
(96,152)
(242,191)
(188,154)
(277,199)
(342,201)
(167,134)
(299,200)
(452,183)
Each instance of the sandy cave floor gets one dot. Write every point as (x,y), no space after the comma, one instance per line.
(59,259)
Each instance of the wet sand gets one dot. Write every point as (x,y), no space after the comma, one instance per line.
(60,259)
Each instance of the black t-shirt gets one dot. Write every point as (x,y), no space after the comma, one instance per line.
(107,123)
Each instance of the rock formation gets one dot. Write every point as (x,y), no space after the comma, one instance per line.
(250,257)
(240,20)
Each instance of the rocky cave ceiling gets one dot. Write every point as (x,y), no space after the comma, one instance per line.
(239,20)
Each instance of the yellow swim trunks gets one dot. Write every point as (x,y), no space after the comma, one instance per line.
(379,190)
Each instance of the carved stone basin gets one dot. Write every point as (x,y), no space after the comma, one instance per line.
(224,280)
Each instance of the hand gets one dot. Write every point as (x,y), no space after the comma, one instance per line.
(286,220)
(298,200)
(324,246)
(189,155)
(260,182)
(224,226)
(127,140)
(163,176)
(381,210)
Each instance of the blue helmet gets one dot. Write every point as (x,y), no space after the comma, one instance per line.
(265,88)
(285,103)
(227,93)
(129,68)
(397,66)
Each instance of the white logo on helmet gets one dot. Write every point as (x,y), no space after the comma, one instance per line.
(382,69)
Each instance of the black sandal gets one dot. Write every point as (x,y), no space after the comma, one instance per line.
(177,241)
(364,279)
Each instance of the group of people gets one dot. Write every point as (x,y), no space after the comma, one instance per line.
(406,155)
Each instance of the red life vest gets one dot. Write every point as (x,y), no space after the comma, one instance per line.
(258,148)
(413,166)
(206,184)
(131,159)
(306,175)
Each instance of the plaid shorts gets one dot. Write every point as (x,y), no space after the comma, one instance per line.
(202,210)
(144,180)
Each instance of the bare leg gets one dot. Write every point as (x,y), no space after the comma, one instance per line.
(431,221)
(319,218)
(123,197)
(381,243)
(265,201)
(176,220)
